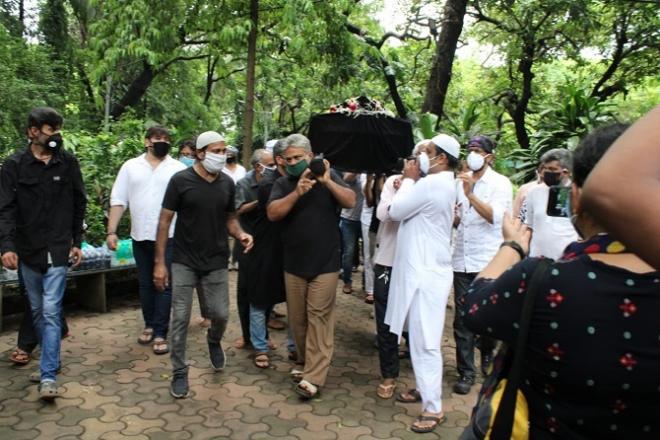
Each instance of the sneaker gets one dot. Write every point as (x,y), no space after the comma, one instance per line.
(217,355)
(464,385)
(48,390)
(179,386)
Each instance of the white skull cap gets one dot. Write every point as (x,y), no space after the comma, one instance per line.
(448,144)
(207,138)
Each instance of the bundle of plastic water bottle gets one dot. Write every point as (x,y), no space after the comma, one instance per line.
(100,257)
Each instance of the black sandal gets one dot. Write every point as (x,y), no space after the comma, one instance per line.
(437,419)
(416,397)
(303,390)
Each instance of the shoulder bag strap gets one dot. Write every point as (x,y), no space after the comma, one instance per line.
(503,423)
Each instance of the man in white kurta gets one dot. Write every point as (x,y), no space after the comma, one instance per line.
(422,272)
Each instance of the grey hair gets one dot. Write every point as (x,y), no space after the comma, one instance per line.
(278,148)
(297,140)
(561,155)
(257,156)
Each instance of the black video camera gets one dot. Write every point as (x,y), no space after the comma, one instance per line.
(317,166)
(401,163)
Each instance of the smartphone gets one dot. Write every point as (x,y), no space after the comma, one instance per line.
(559,200)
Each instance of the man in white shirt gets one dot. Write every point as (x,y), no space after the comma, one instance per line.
(422,272)
(232,168)
(483,197)
(140,187)
(550,235)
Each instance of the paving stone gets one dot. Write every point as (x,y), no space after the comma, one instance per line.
(201,432)
(244,430)
(114,388)
(158,434)
(136,425)
(6,432)
(54,430)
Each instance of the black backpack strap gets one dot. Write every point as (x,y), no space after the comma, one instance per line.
(503,423)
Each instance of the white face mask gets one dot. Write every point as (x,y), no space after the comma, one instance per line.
(424,163)
(475,161)
(214,163)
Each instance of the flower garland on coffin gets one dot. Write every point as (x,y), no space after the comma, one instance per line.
(361,105)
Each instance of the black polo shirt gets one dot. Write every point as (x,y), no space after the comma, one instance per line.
(310,231)
(202,207)
(42,208)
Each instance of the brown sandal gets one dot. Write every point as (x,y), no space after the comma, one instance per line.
(386,391)
(261,360)
(160,346)
(146,337)
(422,418)
(19,357)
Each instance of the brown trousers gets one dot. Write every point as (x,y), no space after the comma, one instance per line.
(311,310)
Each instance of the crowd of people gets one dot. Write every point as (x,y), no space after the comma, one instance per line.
(438,225)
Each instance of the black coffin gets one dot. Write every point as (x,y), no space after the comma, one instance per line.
(365,143)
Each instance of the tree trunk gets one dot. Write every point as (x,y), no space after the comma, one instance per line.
(249,99)
(135,91)
(438,83)
(390,77)
(520,111)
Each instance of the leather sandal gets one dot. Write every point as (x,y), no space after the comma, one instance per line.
(146,337)
(386,391)
(19,357)
(306,390)
(422,418)
(410,396)
(261,360)
(160,346)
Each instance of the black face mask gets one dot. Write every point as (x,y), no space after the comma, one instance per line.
(54,143)
(231,160)
(551,178)
(161,148)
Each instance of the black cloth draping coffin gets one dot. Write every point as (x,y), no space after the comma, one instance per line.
(364,143)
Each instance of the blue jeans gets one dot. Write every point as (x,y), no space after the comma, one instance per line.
(155,304)
(259,328)
(350,231)
(45,291)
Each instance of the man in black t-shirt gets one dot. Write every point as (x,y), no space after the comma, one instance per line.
(308,207)
(203,199)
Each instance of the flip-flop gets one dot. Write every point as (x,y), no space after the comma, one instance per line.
(347,290)
(306,390)
(385,391)
(369,299)
(160,346)
(296,375)
(416,397)
(437,419)
(146,337)
(261,360)
(19,357)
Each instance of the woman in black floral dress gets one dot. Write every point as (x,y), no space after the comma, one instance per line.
(592,364)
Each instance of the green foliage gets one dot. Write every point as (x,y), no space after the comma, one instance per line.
(561,125)
(100,156)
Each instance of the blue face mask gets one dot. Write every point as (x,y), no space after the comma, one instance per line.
(187,161)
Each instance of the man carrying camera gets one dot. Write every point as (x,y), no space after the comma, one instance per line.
(307,204)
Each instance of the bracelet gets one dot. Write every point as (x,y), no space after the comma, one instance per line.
(516,247)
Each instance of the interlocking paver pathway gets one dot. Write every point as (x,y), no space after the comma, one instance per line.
(114,388)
